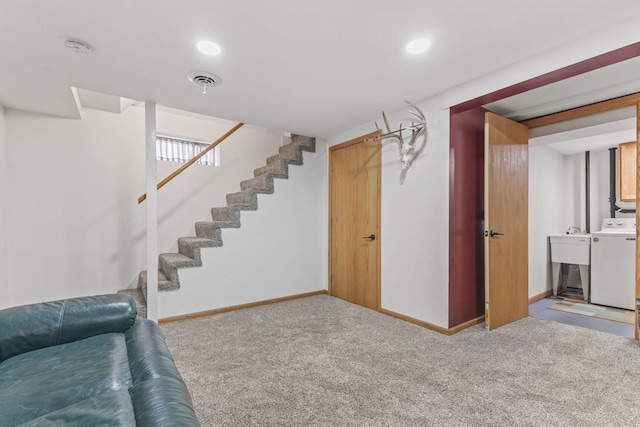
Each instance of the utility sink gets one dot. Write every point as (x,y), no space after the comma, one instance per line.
(571,249)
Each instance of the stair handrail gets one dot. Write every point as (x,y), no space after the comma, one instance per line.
(194,159)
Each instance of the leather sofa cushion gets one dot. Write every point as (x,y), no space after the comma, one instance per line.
(35,326)
(40,382)
(112,408)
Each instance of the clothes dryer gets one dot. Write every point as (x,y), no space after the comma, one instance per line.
(613,269)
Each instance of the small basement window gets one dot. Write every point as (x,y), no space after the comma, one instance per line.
(178,149)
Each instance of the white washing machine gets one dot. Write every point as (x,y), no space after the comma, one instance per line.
(613,263)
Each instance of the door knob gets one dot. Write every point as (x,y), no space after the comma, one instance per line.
(493,233)
(371,237)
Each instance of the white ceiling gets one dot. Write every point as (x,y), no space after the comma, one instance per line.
(310,67)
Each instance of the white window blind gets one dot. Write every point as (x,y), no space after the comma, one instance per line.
(177,149)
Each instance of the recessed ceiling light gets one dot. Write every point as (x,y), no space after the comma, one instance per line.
(208,48)
(418,46)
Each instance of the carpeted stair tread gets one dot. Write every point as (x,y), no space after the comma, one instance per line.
(245,200)
(212,229)
(278,169)
(306,143)
(291,154)
(208,233)
(203,242)
(190,246)
(162,279)
(227,213)
(173,258)
(171,262)
(274,159)
(262,184)
(164,284)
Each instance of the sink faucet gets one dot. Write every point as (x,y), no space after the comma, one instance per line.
(574,230)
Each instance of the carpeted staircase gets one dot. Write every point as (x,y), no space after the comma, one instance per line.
(209,233)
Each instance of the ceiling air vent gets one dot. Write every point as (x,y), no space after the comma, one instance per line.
(204,79)
(77,46)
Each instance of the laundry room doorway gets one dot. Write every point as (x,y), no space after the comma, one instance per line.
(583,88)
(576,171)
(539,206)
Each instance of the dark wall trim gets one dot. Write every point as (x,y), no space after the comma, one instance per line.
(609,58)
(587,191)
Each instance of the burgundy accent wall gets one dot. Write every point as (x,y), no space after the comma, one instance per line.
(466,216)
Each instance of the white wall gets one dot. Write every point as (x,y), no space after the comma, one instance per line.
(574,183)
(280,249)
(74,226)
(599,184)
(599,188)
(551,211)
(415,226)
(4,286)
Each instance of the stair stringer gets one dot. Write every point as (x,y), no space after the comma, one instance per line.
(280,250)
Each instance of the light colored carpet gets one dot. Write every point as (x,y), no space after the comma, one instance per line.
(320,361)
(591,310)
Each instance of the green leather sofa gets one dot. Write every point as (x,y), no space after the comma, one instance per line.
(88,362)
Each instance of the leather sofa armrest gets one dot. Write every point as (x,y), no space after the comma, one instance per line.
(30,327)
(163,402)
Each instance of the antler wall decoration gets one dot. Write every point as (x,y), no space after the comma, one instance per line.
(407,148)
